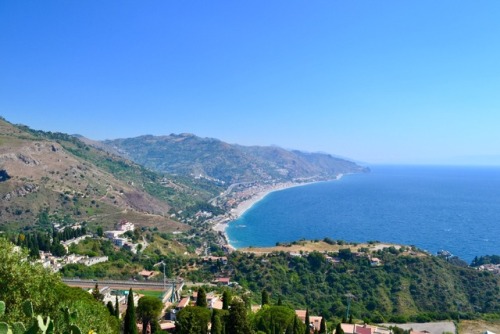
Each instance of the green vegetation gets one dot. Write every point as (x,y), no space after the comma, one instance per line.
(404,288)
(21,281)
(148,311)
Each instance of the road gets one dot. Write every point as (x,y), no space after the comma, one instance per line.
(123,285)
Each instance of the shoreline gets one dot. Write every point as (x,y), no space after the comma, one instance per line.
(247,204)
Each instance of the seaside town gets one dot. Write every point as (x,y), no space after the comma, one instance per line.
(178,294)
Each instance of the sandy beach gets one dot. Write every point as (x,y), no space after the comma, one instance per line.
(242,207)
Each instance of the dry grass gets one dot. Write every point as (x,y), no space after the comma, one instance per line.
(320,246)
(478,326)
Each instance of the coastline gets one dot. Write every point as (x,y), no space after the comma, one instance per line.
(259,194)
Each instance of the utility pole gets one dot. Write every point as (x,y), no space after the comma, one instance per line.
(349,296)
(164,277)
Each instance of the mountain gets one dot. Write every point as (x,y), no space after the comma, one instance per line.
(189,155)
(61,175)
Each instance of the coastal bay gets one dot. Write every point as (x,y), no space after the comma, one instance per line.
(433,208)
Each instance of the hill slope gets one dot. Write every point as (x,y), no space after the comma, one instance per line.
(187,154)
(407,285)
(58,173)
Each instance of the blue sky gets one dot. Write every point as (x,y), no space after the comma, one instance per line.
(376,81)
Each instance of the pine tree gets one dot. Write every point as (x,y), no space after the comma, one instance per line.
(129,324)
(280,302)
(201,299)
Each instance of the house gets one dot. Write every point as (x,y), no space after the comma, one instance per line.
(314,321)
(124,226)
(361,329)
(147,274)
(222,281)
(182,304)
(375,262)
(89,261)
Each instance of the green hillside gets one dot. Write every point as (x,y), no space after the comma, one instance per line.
(406,286)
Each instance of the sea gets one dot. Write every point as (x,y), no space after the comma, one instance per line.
(434,208)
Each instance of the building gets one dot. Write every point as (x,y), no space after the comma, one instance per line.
(314,321)
(124,226)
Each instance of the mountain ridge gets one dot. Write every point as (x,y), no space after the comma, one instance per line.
(187,154)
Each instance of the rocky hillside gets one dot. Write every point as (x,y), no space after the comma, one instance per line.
(61,175)
(187,154)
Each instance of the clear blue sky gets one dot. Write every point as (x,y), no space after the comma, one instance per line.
(376,81)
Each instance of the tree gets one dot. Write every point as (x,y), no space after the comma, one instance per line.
(110,307)
(226,300)
(201,299)
(338,329)
(155,327)
(322,327)
(192,320)
(280,302)
(97,294)
(274,317)
(307,321)
(148,310)
(129,324)
(217,327)
(117,308)
(100,233)
(237,322)
(264,298)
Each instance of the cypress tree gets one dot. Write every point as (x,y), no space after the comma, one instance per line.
(201,300)
(238,322)
(117,308)
(307,321)
(297,325)
(350,318)
(264,298)
(110,307)
(129,324)
(226,300)
(322,327)
(338,329)
(280,302)
(216,323)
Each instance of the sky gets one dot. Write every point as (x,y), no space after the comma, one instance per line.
(401,82)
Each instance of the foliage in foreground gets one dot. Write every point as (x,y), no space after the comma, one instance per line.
(21,281)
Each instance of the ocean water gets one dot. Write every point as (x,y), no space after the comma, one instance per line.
(434,208)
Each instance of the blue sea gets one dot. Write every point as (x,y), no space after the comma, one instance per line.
(434,208)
